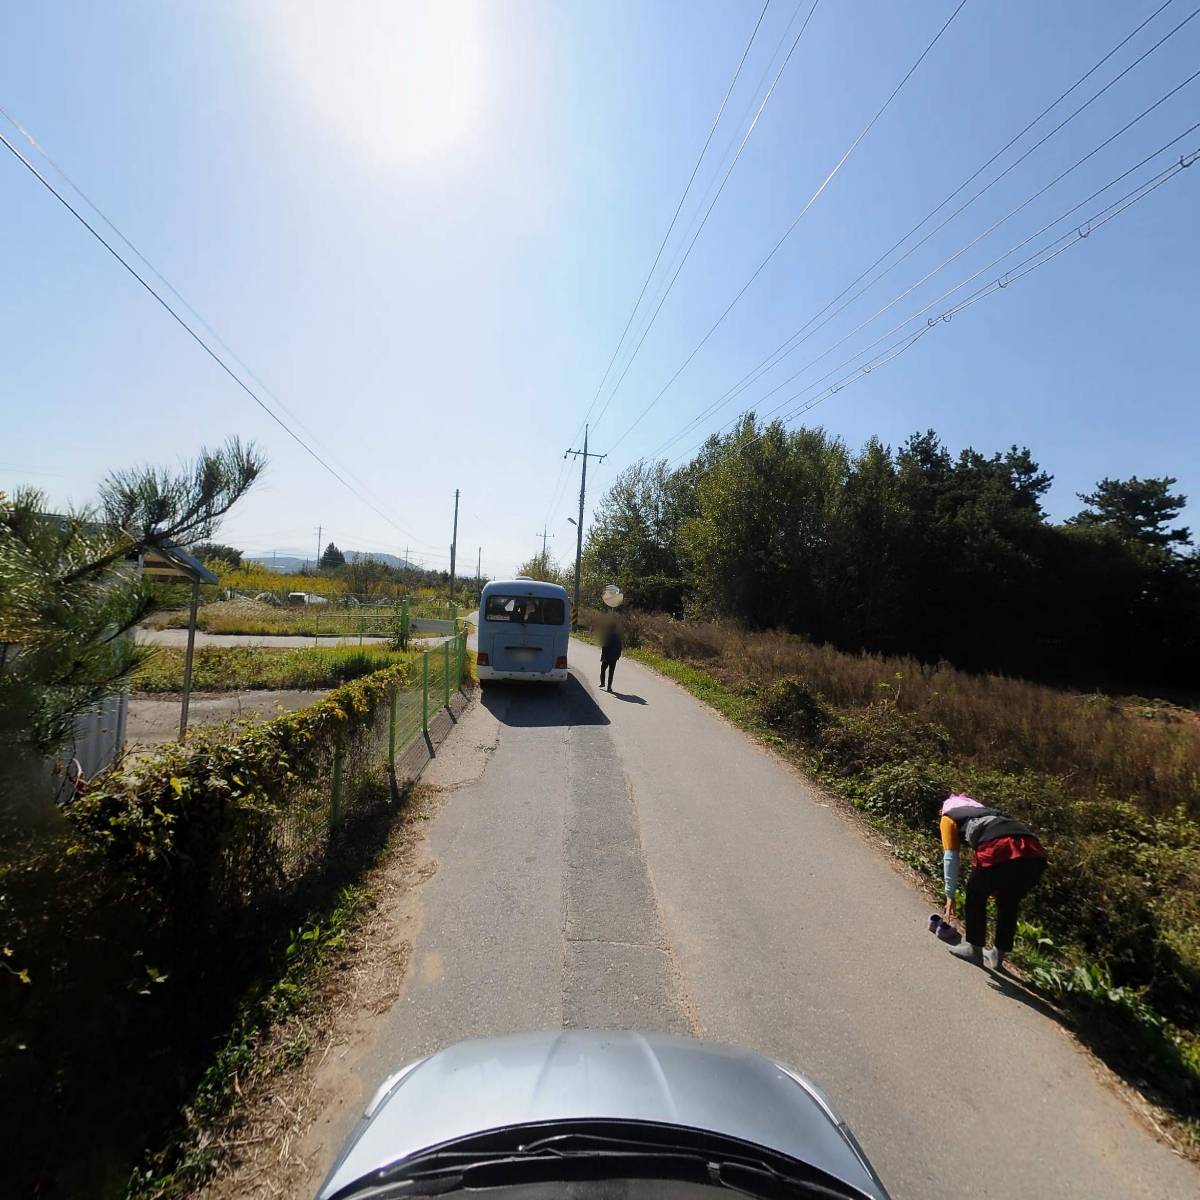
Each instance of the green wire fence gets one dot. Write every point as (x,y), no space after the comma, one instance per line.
(357,770)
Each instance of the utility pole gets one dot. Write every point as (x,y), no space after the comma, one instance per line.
(479,565)
(454,544)
(584,455)
(404,566)
(544,535)
(317,564)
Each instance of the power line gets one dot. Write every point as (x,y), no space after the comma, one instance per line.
(1050,251)
(732,144)
(712,129)
(788,232)
(583,456)
(1028,266)
(801,336)
(41,178)
(1032,263)
(1082,230)
(199,317)
(708,211)
(554,495)
(967,246)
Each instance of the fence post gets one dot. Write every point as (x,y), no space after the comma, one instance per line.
(316,620)
(404,624)
(335,806)
(362,616)
(462,658)
(425,693)
(392,734)
(454,617)
(446,670)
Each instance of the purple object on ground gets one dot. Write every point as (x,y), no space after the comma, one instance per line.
(948,933)
(934,922)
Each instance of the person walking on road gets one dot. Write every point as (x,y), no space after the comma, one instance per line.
(610,651)
(1009,861)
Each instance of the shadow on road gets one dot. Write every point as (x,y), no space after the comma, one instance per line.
(1006,985)
(628,697)
(536,705)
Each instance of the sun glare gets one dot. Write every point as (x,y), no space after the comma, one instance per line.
(400,77)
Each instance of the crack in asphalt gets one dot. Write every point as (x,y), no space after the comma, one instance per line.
(618,968)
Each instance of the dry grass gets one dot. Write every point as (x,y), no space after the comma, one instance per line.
(253,577)
(254,617)
(247,668)
(244,615)
(1146,752)
(1109,785)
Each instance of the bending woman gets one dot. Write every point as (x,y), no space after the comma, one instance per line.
(1009,861)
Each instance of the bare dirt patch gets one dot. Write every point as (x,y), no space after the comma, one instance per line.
(153,720)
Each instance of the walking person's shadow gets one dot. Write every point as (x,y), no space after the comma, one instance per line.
(628,697)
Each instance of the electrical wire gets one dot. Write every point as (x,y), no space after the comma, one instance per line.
(1002,281)
(183,300)
(967,246)
(1100,217)
(724,180)
(41,178)
(805,332)
(712,129)
(788,232)
(731,146)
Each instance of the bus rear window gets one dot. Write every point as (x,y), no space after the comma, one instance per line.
(526,610)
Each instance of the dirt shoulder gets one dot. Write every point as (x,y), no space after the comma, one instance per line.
(301,1092)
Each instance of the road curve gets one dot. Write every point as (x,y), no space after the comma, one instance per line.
(631,860)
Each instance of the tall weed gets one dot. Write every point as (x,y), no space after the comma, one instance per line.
(1147,754)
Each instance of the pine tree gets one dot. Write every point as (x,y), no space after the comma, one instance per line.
(69,592)
(1140,510)
(332,557)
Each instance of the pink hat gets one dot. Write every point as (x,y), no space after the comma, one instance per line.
(959,800)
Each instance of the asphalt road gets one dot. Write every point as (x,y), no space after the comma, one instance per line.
(631,860)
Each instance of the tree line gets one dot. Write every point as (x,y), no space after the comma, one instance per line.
(363,574)
(914,550)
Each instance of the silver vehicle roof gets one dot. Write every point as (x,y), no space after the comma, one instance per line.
(568,1075)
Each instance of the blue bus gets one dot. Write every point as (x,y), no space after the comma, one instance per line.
(524,626)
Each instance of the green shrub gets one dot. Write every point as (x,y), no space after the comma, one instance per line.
(195,812)
(859,742)
(239,668)
(1131,1030)
(910,792)
(137,924)
(1111,790)
(353,664)
(792,708)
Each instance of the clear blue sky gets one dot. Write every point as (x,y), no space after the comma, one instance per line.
(425,226)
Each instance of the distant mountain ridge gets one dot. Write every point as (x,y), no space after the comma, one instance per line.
(289,562)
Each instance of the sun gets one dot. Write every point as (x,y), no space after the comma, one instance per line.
(401,78)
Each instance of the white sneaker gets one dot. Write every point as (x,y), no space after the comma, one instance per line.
(968,952)
(993,959)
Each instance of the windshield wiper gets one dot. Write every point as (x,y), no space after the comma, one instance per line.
(580,1156)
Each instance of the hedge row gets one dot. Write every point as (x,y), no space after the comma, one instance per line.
(140,923)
